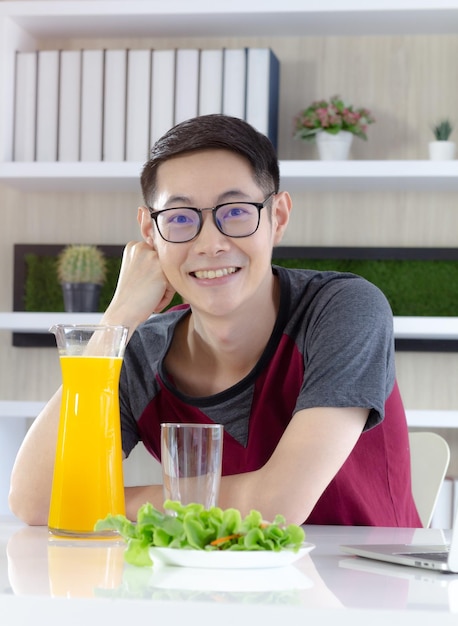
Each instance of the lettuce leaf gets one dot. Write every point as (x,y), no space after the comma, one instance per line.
(192,527)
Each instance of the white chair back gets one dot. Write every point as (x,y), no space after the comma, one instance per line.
(430,458)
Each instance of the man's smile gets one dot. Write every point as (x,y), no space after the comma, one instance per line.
(218,273)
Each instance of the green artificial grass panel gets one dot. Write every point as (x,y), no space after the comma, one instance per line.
(41,289)
(413,288)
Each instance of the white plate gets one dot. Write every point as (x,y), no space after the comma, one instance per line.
(217,559)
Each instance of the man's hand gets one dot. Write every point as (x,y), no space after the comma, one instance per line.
(142,287)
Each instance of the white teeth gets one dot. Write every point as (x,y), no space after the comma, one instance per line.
(209,274)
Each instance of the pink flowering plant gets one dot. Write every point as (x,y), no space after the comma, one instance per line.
(332,117)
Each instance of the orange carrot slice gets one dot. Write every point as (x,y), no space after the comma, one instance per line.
(220,540)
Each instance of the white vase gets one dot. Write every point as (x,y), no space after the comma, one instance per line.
(441,150)
(334,147)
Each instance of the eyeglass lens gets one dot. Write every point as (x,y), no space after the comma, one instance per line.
(183,224)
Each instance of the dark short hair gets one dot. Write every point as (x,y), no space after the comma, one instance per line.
(214,132)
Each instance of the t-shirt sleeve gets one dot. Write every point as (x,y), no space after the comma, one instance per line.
(138,385)
(129,429)
(134,393)
(349,349)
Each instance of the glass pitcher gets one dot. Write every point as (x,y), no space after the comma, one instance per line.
(88,478)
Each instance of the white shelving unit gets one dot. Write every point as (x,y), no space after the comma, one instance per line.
(354,175)
(24,24)
(208,18)
(53,176)
(404,327)
(41,322)
(17,410)
(424,176)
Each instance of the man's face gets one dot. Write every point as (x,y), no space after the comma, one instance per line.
(213,272)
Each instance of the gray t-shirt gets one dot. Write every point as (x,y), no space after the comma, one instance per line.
(332,345)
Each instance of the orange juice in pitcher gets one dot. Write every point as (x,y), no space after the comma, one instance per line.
(88,479)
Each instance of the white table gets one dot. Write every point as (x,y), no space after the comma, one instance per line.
(76,584)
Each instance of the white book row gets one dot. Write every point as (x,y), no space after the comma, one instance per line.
(112,105)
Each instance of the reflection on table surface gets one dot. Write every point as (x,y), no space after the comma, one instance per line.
(34,564)
(38,564)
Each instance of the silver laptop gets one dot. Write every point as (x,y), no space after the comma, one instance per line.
(443,557)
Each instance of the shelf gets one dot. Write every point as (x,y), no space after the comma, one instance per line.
(415,418)
(437,328)
(421,176)
(432,419)
(20,322)
(20,408)
(176,18)
(81,176)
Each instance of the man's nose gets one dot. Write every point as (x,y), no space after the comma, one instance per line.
(209,234)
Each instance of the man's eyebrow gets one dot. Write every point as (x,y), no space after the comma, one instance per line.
(232,194)
(178,200)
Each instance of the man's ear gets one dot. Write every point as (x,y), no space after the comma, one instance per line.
(281,210)
(146,224)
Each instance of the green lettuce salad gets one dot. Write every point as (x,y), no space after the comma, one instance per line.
(192,527)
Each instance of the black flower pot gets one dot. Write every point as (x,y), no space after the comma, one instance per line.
(81,297)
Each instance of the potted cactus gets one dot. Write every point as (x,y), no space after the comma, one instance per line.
(81,270)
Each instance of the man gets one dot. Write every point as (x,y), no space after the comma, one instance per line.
(297,365)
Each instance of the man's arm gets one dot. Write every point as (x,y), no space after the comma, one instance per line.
(31,478)
(310,453)
(308,456)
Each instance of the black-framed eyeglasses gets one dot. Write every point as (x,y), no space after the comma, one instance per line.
(234,219)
